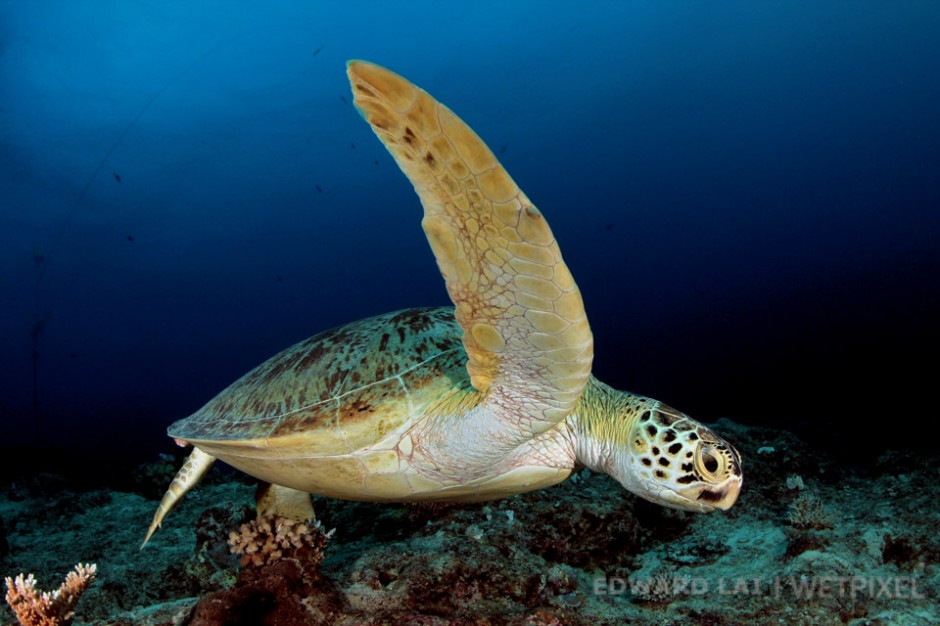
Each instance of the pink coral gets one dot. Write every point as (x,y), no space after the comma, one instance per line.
(34,607)
(268,538)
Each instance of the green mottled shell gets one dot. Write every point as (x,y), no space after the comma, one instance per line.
(339,391)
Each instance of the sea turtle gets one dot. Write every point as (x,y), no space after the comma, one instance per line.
(487,399)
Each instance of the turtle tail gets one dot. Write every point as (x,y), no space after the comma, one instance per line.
(189,475)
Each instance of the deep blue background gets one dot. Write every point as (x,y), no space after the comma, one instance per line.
(747,193)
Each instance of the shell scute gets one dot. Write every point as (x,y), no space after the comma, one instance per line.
(343,388)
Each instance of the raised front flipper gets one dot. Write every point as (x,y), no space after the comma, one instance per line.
(524,326)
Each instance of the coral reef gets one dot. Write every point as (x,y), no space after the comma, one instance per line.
(280,581)
(812,540)
(269,538)
(34,607)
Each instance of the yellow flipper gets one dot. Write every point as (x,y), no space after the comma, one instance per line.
(524,326)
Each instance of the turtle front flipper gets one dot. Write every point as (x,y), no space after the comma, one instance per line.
(195,467)
(524,326)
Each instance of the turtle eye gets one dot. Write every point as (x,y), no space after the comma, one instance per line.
(707,462)
(710,461)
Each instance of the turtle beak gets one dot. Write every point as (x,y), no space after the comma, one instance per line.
(711,497)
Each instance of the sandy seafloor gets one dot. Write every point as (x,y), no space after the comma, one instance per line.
(864,551)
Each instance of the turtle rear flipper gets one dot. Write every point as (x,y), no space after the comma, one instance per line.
(195,467)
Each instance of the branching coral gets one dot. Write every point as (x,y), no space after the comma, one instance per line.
(34,607)
(269,538)
(807,512)
(662,587)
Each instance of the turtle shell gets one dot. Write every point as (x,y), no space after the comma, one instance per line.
(337,392)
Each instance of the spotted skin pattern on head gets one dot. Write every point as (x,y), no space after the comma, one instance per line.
(657,452)
(687,458)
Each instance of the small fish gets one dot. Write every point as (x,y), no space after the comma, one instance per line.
(353,145)
(343,98)
(279,279)
(317,51)
(376,161)
(609,226)
(73,355)
(503,148)
(130,238)
(117,176)
(318,188)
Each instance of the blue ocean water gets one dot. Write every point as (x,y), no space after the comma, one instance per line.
(747,194)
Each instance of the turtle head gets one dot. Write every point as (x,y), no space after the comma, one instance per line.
(672,460)
(656,452)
